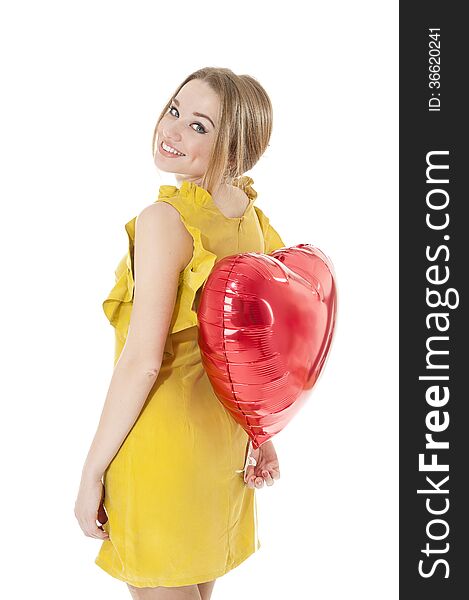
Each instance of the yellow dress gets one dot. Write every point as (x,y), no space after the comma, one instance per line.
(179,512)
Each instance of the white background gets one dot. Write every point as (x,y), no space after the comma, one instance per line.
(83,84)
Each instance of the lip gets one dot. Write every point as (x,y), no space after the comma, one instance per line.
(168,154)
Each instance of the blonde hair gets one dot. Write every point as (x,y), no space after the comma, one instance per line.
(245,124)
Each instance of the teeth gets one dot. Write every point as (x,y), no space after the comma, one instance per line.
(169,149)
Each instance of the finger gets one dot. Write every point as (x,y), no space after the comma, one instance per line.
(274,473)
(250,481)
(95,531)
(99,534)
(259,482)
(102,533)
(267,478)
(249,473)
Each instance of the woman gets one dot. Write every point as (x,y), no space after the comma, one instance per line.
(166,457)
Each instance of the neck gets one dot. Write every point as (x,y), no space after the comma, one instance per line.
(180,178)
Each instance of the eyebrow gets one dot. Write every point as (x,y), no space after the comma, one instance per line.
(197,114)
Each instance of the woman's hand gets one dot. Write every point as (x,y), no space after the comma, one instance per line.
(267,468)
(89,508)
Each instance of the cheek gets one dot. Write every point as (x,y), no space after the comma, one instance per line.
(207,146)
(199,148)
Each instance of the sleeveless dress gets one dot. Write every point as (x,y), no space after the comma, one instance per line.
(179,512)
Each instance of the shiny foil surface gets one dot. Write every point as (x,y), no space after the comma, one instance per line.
(265,327)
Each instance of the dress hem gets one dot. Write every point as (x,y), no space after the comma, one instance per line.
(148,582)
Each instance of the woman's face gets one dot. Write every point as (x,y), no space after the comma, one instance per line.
(189,126)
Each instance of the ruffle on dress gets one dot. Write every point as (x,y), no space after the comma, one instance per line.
(244,182)
(117,305)
(193,277)
(198,197)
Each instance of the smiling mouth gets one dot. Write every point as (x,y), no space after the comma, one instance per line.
(169,150)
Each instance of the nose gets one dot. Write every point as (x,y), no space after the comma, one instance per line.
(171,132)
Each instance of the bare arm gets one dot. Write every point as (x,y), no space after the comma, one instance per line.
(163,247)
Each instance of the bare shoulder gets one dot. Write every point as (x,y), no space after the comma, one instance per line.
(159,226)
(160,213)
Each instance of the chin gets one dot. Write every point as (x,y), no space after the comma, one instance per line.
(163,165)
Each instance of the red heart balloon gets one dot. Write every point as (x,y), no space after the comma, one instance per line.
(266,323)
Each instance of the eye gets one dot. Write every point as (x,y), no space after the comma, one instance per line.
(198,124)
